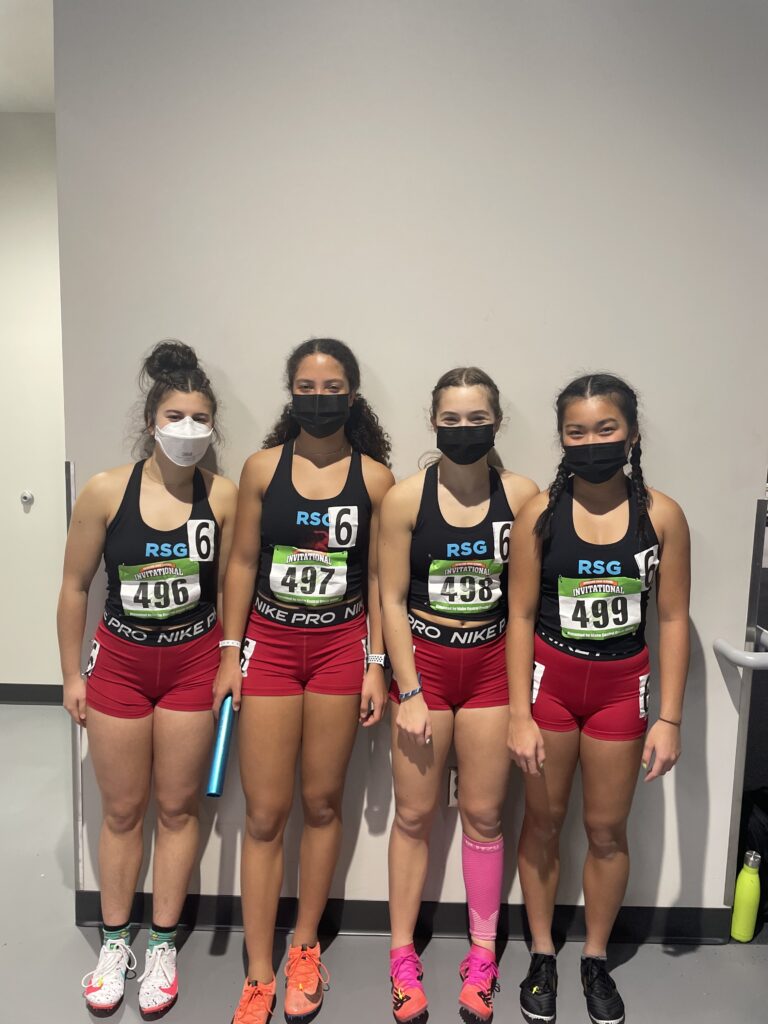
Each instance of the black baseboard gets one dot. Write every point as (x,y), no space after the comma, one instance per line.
(673,925)
(31,693)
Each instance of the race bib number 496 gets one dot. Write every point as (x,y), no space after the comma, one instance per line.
(300,576)
(160,589)
(467,587)
(599,609)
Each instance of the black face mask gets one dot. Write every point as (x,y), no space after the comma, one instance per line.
(595,463)
(320,415)
(465,445)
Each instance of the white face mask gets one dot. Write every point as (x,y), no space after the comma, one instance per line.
(185,442)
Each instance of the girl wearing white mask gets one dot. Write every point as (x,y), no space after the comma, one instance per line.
(163,527)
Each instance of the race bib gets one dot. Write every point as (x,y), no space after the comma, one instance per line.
(342,526)
(599,609)
(300,576)
(160,589)
(200,539)
(472,586)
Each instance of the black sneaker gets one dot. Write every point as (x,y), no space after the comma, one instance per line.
(538,993)
(604,1004)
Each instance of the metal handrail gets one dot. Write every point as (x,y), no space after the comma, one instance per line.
(755,660)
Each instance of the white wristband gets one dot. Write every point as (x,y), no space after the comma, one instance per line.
(376,659)
(231,643)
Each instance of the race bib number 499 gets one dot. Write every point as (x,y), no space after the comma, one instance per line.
(599,609)
(467,587)
(160,589)
(300,576)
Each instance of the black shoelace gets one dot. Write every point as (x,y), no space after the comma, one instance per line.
(597,979)
(541,974)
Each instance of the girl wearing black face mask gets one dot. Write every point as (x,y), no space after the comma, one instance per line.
(443,555)
(584,558)
(304,663)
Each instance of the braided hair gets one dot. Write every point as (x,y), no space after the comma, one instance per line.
(618,391)
(171,366)
(639,489)
(362,429)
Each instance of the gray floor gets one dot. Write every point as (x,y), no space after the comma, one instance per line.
(43,956)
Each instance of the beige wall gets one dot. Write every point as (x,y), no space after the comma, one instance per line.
(538,188)
(33,402)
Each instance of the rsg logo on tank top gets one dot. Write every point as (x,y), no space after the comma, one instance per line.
(200,543)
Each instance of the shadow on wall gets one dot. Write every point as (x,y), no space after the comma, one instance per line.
(647,825)
(692,802)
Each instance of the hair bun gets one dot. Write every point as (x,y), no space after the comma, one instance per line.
(169,357)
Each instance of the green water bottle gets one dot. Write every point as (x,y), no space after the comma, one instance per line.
(746,899)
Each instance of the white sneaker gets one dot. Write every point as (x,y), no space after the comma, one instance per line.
(159,984)
(104,986)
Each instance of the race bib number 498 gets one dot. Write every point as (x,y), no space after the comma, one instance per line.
(309,577)
(599,609)
(467,587)
(160,589)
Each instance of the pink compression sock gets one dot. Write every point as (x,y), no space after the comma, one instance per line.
(483,867)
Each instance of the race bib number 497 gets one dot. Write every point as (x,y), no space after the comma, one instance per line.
(301,576)
(599,609)
(160,589)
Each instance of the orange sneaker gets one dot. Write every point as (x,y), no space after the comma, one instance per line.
(305,982)
(409,1000)
(480,975)
(256,1003)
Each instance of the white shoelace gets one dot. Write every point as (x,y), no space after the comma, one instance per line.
(113,957)
(157,963)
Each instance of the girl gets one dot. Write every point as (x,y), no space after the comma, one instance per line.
(163,527)
(302,574)
(443,555)
(584,557)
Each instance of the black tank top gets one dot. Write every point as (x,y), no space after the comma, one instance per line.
(594,596)
(460,571)
(314,552)
(161,580)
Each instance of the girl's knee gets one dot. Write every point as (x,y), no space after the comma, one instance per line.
(414,822)
(482,820)
(606,839)
(265,824)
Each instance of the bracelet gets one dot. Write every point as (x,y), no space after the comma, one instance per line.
(409,694)
(231,643)
(376,659)
(670,722)
(412,693)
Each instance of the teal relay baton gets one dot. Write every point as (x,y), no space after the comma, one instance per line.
(221,748)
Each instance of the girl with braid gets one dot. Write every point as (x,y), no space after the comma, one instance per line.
(584,557)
